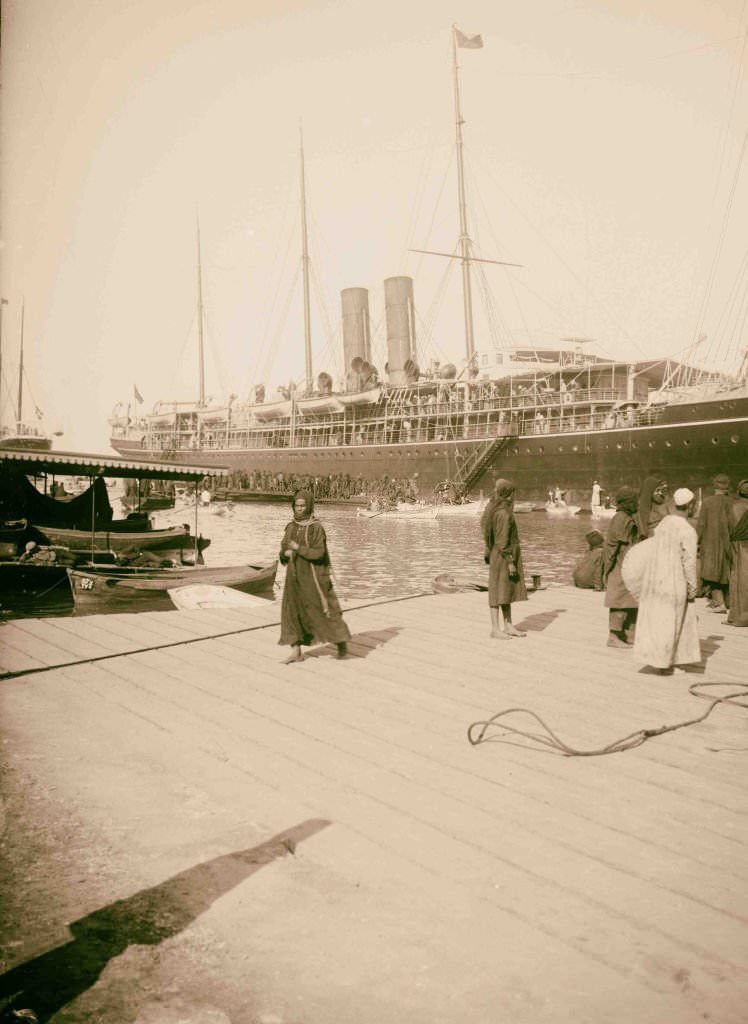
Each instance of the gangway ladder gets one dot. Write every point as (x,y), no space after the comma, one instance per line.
(474,465)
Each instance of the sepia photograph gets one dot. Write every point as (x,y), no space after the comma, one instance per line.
(373,512)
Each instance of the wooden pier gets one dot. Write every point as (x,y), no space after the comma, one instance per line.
(196,832)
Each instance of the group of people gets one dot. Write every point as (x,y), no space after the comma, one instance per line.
(657,558)
(648,565)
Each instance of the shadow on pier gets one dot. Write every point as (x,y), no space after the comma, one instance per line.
(149,917)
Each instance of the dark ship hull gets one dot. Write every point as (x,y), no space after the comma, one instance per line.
(689,444)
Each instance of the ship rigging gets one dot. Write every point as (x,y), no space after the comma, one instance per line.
(541,415)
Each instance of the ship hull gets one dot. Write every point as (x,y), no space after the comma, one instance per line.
(688,446)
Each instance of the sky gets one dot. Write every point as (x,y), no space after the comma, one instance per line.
(605,153)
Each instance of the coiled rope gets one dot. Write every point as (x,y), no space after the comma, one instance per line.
(482,732)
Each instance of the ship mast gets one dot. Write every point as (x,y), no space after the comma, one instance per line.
(465,241)
(305,271)
(200,342)
(19,410)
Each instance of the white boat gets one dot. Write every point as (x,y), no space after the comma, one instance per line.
(468,508)
(202,595)
(421,513)
(560,508)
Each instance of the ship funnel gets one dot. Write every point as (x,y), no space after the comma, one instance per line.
(356,332)
(401,334)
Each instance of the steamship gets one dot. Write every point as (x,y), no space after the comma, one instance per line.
(545,417)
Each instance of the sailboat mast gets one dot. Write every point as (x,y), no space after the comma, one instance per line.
(200,343)
(19,415)
(305,271)
(3,302)
(465,241)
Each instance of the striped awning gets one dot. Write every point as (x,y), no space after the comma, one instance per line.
(85,464)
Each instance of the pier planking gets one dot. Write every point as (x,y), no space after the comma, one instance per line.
(453,882)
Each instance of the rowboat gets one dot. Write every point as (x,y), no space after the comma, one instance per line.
(113,585)
(175,542)
(560,508)
(419,513)
(467,508)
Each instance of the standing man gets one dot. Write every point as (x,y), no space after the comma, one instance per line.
(622,535)
(713,529)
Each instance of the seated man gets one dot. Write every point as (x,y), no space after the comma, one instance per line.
(588,571)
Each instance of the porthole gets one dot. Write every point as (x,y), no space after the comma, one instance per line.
(734,439)
(715,440)
(634,444)
(575,447)
(560,447)
(687,442)
(619,446)
(668,444)
(541,449)
(606,447)
(651,444)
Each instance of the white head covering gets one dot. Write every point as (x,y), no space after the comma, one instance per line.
(683,497)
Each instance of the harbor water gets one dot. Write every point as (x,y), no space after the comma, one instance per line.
(372,558)
(382,557)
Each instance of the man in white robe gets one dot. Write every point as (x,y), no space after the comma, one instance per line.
(661,572)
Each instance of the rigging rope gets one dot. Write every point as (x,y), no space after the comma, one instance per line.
(477,732)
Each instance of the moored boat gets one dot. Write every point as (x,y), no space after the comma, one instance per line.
(113,585)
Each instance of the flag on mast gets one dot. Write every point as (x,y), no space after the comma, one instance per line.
(468,42)
(137,394)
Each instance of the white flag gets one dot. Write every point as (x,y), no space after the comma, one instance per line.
(468,42)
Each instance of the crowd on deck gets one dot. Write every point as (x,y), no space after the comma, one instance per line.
(340,486)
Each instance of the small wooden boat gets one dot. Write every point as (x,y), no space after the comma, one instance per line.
(173,542)
(203,595)
(600,512)
(115,585)
(466,508)
(419,513)
(560,508)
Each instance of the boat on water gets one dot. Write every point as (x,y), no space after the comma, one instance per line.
(419,513)
(538,415)
(107,586)
(84,523)
(21,435)
(561,508)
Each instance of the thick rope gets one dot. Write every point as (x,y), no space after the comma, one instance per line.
(193,639)
(478,732)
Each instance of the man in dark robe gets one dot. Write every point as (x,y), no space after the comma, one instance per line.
(622,534)
(310,610)
(653,505)
(738,613)
(588,571)
(506,582)
(713,529)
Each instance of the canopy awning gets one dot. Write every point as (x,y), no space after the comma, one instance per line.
(84,464)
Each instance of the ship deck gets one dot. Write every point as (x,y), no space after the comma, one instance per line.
(195,831)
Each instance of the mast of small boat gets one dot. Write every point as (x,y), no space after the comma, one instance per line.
(3,302)
(465,241)
(200,345)
(19,408)
(305,273)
